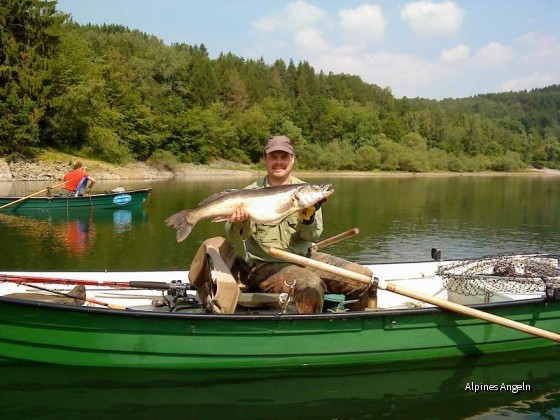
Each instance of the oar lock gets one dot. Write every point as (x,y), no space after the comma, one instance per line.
(286,298)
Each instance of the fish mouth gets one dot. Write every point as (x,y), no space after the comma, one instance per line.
(326,189)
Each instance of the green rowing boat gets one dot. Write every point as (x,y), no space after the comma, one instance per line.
(107,200)
(141,333)
(87,336)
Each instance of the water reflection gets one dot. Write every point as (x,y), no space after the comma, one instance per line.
(74,233)
(402,219)
(122,220)
(442,389)
(79,236)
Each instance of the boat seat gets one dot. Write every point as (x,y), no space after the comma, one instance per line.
(258,300)
(211,274)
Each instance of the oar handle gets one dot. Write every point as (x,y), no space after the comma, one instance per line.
(108,305)
(452,306)
(298,259)
(337,238)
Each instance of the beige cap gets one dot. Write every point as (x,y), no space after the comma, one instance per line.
(279,143)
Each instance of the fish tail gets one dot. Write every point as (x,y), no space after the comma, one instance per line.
(181,223)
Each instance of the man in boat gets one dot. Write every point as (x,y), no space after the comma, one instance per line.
(296,233)
(78,180)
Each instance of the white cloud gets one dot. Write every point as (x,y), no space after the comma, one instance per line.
(433,19)
(365,22)
(296,16)
(342,43)
(538,63)
(310,41)
(544,49)
(405,74)
(455,54)
(535,80)
(494,55)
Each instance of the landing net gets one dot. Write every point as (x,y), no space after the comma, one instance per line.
(513,274)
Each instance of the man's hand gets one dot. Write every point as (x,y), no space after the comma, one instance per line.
(307,215)
(239,216)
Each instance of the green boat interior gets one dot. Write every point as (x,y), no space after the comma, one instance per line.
(212,285)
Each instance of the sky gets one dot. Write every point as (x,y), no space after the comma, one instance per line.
(425,48)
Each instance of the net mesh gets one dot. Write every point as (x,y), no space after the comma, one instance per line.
(512,274)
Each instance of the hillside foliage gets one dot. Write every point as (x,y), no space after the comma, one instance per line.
(119,94)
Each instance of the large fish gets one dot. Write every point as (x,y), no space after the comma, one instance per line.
(264,205)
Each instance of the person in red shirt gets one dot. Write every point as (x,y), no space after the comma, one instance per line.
(78,180)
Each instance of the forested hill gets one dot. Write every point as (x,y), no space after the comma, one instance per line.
(118,94)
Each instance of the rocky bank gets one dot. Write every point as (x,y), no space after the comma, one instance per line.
(54,169)
(40,170)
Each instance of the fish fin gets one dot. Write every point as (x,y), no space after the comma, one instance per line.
(217,195)
(179,222)
(220,219)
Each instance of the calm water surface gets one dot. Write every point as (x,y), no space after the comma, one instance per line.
(400,219)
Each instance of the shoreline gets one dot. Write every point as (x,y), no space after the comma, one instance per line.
(54,169)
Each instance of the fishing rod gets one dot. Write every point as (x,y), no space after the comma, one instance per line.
(154,285)
(176,290)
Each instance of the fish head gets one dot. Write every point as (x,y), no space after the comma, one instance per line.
(309,194)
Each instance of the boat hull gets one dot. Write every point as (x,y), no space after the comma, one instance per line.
(88,336)
(111,200)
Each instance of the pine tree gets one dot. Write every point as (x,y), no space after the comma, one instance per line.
(29,34)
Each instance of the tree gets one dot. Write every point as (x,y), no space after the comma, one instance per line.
(203,87)
(112,92)
(78,82)
(235,91)
(29,34)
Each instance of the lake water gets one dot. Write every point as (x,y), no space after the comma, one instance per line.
(400,219)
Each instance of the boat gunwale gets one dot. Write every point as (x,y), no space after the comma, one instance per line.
(70,197)
(279,316)
(136,313)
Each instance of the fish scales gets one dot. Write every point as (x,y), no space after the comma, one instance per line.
(264,205)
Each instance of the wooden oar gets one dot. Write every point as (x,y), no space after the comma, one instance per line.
(451,306)
(97,302)
(336,238)
(34,194)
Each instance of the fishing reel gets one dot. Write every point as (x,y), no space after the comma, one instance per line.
(178,297)
(175,296)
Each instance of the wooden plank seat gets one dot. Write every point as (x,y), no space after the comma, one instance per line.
(258,300)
